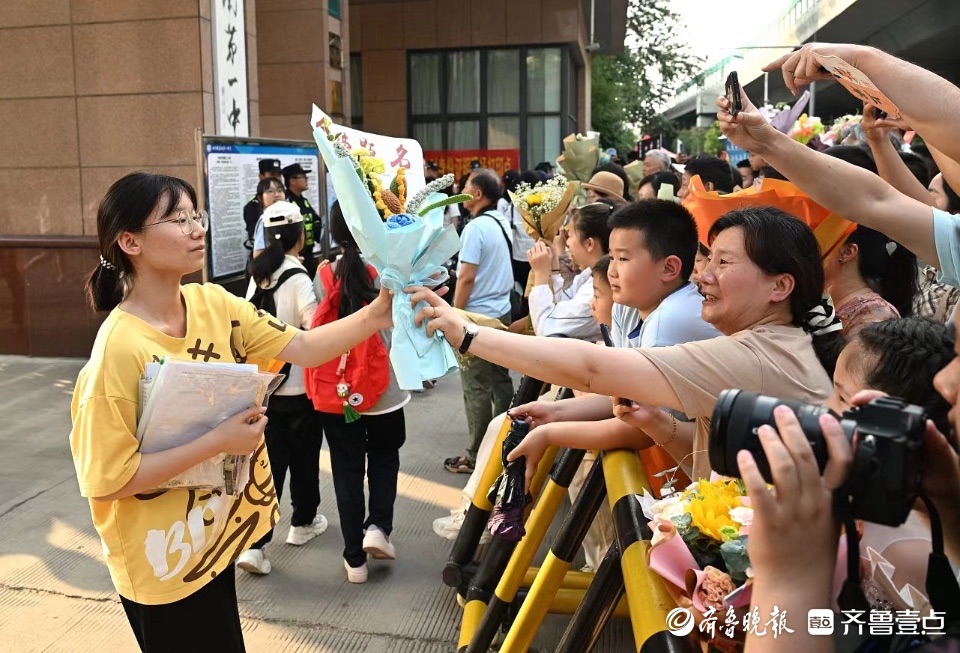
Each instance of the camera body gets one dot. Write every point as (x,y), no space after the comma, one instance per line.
(887,436)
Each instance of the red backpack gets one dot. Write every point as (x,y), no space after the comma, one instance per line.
(351,383)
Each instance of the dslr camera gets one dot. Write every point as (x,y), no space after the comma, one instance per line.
(884,480)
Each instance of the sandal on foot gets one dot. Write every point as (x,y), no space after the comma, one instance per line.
(458,465)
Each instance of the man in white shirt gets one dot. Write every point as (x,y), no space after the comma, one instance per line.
(484,282)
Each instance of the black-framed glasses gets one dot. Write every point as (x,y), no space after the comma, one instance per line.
(188,222)
(275,191)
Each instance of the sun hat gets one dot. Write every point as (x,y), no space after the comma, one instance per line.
(606,184)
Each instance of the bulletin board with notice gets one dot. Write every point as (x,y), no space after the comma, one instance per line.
(230,176)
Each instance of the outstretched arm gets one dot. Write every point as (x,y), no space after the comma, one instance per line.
(845,189)
(317,346)
(563,362)
(926,101)
(889,164)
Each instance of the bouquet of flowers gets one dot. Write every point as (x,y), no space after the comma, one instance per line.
(805,129)
(845,131)
(707,206)
(700,542)
(403,238)
(581,154)
(543,206)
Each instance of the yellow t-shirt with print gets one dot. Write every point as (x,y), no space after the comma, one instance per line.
(163,546)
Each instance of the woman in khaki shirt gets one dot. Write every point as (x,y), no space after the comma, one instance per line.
(763,289)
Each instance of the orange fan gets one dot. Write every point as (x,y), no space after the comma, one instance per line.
(707,206)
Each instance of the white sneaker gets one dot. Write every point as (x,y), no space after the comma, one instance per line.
(356,574)
(377,544)
(254,562)
(449,527)
(300,535)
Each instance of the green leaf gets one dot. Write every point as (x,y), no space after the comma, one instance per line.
(735,557)
(454,199)
(395,187)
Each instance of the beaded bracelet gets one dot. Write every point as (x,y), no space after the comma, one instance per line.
(672,435)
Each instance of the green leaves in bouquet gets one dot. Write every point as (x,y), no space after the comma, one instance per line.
(447,201)
(735,558)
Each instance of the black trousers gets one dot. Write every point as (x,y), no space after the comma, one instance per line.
(293,436)
(207,620)
(373,442)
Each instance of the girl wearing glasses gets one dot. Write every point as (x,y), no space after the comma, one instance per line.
(170,553)
(269,192)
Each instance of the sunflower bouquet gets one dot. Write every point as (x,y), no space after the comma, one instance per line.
(403,237)
(700,542)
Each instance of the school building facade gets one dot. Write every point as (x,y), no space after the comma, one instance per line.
(91,90)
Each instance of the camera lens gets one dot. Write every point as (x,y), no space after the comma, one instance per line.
(736,418)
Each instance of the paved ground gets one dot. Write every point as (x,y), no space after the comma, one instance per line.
(55,594)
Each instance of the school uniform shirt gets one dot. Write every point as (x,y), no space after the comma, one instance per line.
(555,311)
(676,320)
(772,360)
(946,237)
(483,244)
(296,302)
(394,397)
(165,545)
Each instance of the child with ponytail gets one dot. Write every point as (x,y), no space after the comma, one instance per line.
(294,433)
(373,441)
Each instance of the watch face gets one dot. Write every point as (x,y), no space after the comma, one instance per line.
(472,329)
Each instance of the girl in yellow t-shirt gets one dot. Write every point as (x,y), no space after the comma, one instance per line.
(170,553)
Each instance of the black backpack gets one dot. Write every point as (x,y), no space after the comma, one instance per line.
(263,297)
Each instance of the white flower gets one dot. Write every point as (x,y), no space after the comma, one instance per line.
(672,506)
(742,515)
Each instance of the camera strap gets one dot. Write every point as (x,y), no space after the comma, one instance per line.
(942,588)
(851,595)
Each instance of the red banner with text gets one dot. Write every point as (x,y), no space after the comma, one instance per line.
(458,161)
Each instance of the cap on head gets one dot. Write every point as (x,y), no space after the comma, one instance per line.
(281,213)
(269,166)
(292,171)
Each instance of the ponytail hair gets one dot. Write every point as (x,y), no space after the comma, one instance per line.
(356,286)
(591,221)
(887,266)
(126,207)
(277,242)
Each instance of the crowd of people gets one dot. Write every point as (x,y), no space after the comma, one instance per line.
(752,304)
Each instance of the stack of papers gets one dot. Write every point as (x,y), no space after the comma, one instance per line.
(181,401)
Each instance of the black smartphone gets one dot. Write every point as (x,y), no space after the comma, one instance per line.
(732,91)
(608,341)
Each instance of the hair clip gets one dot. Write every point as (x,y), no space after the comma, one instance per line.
(107,264)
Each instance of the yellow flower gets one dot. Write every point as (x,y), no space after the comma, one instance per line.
(533,199)
(709,508)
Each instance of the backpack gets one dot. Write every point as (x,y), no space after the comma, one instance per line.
(353,382)
(263,300)
(263,297)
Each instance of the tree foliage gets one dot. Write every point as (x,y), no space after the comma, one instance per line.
(629,89)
